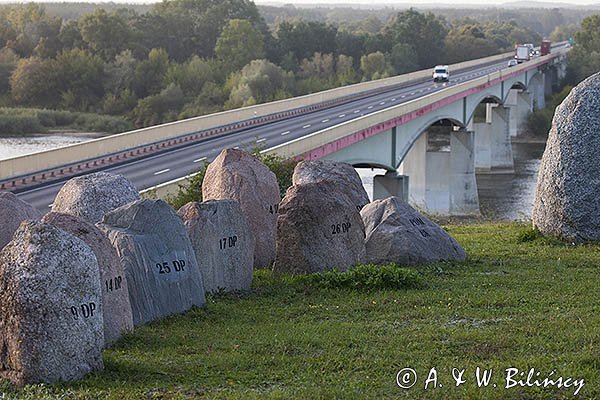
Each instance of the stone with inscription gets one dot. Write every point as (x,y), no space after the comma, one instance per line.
(566,202)
(342,174)
(396,232)
(91,196)
(318,229)
(115,295)
(51,326)
(240,176)
(223,242)
(160,266)
(13,211)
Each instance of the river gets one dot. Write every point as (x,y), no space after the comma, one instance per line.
(506,197)
(501,196)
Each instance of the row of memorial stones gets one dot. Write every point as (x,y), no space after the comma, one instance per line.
(103,261)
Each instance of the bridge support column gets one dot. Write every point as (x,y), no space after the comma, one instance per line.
(442,182)
(493,148)
(512,103)
(390,184)
(464,199)
(524,108)
(539,92)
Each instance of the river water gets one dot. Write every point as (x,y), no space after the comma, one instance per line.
(501,196)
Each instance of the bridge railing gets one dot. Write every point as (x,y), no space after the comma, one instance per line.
(325,141)
(328,140)
(202,127)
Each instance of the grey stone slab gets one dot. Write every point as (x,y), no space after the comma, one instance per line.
(158,259)
(223,243)
(567,203)
(318,229)
(396,232)
(51,325)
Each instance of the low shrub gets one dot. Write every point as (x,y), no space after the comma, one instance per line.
(365,277)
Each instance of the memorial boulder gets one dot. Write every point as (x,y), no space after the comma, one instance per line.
(51,326)
(91,196)
(240,176)
(158,259)
(342,174)
(566,201)
(396,232)
(13,211)
(318,229)
(115,295)
(223,243)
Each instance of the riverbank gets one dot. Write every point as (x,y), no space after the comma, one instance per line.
(519,301)
(22,121)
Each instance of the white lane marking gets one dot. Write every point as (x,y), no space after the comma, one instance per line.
(369,107)
(403,96)
(261,140)
(394,99)
(356,111)
(50,206)
(428,89)
(284,133)
(306,126)
(236,147)
(412,92)
(200,159)
(341,115)
(382,103)
(325,120)
(162,172)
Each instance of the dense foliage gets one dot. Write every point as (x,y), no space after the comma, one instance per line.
(182,58)
(584,59)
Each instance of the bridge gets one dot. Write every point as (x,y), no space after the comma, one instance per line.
(431,138)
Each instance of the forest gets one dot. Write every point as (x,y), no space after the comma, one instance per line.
(115,67)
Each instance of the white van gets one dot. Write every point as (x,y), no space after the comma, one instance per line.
(441,73)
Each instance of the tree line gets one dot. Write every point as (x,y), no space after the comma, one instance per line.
(183,58)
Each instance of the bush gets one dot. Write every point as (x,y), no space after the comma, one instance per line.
(365,277)
(191,191)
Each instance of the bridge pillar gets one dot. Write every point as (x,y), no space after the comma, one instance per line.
(523,109)
(440,181)
(390,184)
(464,199)
(493,148)
(538,91)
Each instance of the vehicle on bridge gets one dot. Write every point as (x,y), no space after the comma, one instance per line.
(441,73)
(546,47)
(522,53)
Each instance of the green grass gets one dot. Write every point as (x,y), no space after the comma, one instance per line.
(519,301)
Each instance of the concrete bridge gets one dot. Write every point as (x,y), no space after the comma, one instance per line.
(431,138)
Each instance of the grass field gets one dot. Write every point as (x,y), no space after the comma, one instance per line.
(519,301)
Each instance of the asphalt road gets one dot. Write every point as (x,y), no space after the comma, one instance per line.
(179,162)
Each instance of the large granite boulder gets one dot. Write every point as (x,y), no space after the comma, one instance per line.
(223,242)
(51,326)
(567,203)
(240,176)
(91,196)
(318,229)
(342,174)
(13,211)
(159,262)
(396,232)
(115,295)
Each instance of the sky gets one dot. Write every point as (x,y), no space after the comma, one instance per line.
(413,2)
